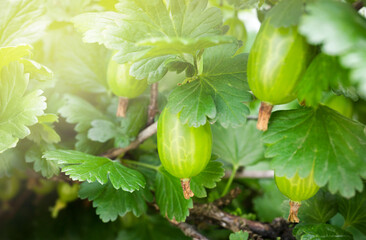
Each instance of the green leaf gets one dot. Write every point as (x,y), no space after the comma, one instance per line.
(142,30)
(64,10)
(84,144)
(111,203)
(84,167)
(332,144)
(137,21)
(324,73)
(21,21)
(207,178)
(37,71)
(169,196)
(18,109)
(82,65)
(244,4)
(241,146)
(152,69)
(10,54)
(268,205)
(354,211)
(195,103)
(341,31)
(320,232)
(9,160)
(136,117)
(102,130)
(286,13)
(122,130)
(47,168)
(218,93)
(178,46)
(318,209)
(18,53)
(43,130)
(239,236)
(78,111)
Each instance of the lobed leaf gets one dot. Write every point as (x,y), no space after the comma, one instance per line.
(21,22)
(341,31)
(323,73)
(44,131)
(111,203)
(15,53)
(354,211)
(241,146)
(169,196)
(335,146)
(142,30)
(286,13)
(239,236)
(18,108)
(9,160)
(208,178)
(218,93)
(320,231)
(83,66)
(84,167)
(268,204)
(80,112)
(319,209)
(47,168)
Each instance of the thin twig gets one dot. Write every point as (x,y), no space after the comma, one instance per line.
(188,230)
(153,106)
(143,135)
(251,174)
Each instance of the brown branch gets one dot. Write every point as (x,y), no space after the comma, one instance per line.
(188,230)
(278,228)
(143,135)
(153,106)
(357,5)
(251,174)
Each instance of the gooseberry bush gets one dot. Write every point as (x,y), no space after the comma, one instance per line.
(179,119)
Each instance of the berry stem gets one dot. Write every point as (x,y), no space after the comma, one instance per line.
(265,111)
(122,107)
(294,209)
(187,192)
